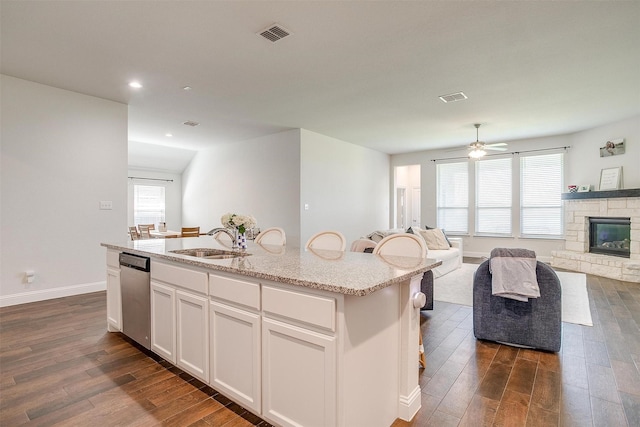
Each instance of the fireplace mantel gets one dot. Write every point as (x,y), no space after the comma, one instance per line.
(609,194)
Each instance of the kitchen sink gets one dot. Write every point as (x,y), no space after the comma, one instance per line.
(209,253)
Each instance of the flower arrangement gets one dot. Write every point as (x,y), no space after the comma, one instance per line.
(239,222)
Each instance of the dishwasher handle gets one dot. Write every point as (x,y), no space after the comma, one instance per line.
(136,262)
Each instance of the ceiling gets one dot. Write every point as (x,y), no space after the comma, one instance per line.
(369,73)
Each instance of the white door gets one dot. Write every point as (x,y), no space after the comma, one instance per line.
(415,206)
(235,354)
(401,207)
(192,338)
(299,375)
(163,320)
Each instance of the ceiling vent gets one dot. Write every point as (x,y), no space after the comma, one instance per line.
(452,97)
(191,123)
(274,32)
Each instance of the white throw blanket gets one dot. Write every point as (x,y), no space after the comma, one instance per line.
(513,274)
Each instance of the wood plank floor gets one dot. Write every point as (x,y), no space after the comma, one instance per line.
(59,366)
(593,381)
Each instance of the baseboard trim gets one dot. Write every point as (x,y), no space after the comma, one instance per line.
(45,294)
(409,405)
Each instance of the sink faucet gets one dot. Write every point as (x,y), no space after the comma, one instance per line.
(228,232)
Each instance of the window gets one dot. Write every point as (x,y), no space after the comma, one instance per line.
(493,197)
(540,195)
(148,204)
(452,183)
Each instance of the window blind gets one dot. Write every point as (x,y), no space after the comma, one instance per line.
(452,186)
(541,184)
(148,204)
(493,197)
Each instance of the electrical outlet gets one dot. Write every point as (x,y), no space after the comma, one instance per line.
(106,205)
(306,206)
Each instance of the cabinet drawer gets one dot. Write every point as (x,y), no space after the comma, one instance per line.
(237,291)
(178,276)
(312,309)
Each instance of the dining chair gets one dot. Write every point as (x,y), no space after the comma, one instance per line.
(143,231)
(190,232)
(405,245)
(149,226)
(272,236)
(327,240)
(133,232)
(402,244)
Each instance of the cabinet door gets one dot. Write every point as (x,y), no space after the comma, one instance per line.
(299,375)
(114,300)
(163,321)
(235,354)
(193,334)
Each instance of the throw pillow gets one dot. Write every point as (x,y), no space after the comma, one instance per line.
(444,232)
(435,239)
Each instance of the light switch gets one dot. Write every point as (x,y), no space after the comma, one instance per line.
(306,206)
(106,205)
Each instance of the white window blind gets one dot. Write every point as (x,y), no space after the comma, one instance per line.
(148,204)
(541,187)
(452,186)
(493,197)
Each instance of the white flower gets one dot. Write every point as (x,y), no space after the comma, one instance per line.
(241,222)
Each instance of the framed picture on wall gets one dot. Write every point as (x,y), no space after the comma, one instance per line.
(610,178)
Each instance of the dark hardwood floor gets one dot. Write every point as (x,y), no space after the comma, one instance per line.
(59,366)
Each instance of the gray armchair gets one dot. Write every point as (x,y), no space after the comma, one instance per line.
(533,324)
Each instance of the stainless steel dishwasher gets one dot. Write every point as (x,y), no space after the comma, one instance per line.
(135,287)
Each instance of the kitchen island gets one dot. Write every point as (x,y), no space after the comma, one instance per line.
(300,338)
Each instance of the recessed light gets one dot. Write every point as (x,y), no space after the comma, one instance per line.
(187,88)
(135,85)
(168,135)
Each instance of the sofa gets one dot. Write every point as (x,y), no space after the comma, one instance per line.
(451,258)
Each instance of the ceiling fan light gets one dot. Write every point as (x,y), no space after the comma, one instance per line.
(476,154)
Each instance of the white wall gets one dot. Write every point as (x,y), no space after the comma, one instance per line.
(346,187)
(582,166)
(172,195)
(585,168)
(62,153)
(259,177)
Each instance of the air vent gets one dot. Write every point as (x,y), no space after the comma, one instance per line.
(452,97)
(191,123)
(274,32)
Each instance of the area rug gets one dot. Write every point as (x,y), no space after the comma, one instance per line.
(457,287)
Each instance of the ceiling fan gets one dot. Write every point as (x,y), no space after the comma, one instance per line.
(478,149)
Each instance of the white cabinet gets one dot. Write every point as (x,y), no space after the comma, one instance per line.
(299,358)
(235,354)
(114,300)
(163,321)
(235,339)
(114,296)
(180,317)
(192,338)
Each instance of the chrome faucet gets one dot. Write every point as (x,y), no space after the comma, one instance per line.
(227,231)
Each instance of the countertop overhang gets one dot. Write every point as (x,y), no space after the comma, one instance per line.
(349,273)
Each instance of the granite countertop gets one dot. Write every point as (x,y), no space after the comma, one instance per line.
(350,273)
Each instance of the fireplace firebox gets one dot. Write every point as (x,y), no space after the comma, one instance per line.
(610,236)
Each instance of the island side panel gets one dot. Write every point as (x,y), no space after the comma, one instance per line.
(409,399)
(370,337)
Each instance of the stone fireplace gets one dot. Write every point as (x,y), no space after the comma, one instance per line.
(613,257)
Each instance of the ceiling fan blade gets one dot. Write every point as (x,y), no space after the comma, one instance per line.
(497,144)
(494,148)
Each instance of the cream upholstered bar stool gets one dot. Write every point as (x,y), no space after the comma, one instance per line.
(327,240)
(407,245)
(272,236)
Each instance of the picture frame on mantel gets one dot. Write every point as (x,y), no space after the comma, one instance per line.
(610,179)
